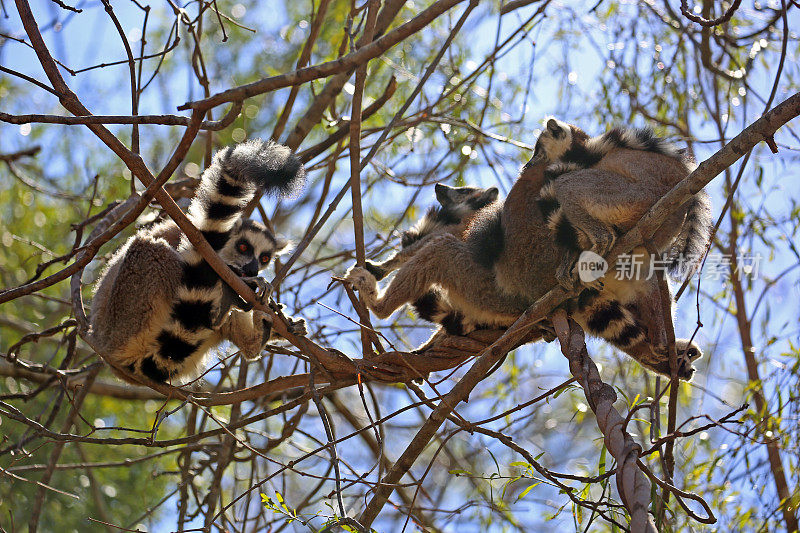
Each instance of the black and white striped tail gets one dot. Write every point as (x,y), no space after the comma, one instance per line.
(610,319)
(643,139)
(226,187)
(586,153)
(232,180)
(564,233)
(433,307)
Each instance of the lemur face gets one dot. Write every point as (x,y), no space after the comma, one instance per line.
(555,140)
(251,247)
(466,199)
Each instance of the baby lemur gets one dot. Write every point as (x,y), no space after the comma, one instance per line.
(159,307)
(587,212)
(505,262)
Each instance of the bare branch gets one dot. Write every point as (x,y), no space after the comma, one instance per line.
(323,70)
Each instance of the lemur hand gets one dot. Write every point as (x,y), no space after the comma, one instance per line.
(362,280)
(297,326)
(261,287)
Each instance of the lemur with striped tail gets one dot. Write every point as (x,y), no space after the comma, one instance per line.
(159,307)
(587,212)
(505,261)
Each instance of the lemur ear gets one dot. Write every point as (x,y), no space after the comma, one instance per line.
(553,127)
(281,245)
(443,193)
(491,194)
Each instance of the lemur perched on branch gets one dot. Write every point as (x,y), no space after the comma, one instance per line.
(458,206)
(159,307)
(587,212)
(507,260)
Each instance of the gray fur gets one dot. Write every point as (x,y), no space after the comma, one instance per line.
(525,270)
(599,206)
(458,206)
(159,308)
(694,238)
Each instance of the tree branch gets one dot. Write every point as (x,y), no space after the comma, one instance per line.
(352,60)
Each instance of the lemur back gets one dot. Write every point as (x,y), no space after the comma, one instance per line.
(586,210)
(457,206)
(159,308)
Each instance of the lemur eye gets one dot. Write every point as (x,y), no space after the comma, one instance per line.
(264,259)
(243,247)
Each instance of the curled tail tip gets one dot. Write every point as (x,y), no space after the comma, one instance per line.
(268,164)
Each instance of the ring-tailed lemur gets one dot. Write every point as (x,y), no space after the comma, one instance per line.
(587,214)
(457,206)
(504,263)
(159,307)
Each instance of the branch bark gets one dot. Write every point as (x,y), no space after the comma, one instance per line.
(631,482)
(352,60)
(760,130)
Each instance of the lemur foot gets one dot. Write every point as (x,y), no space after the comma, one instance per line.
(603,243)
(687,352)
(363,281)
(568,277)
(594,284)
(251,352)
(564,275)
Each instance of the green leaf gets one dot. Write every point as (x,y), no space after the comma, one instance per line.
(527,490)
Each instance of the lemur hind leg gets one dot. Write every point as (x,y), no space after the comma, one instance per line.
(573,228)
(248,330)
(447,262)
